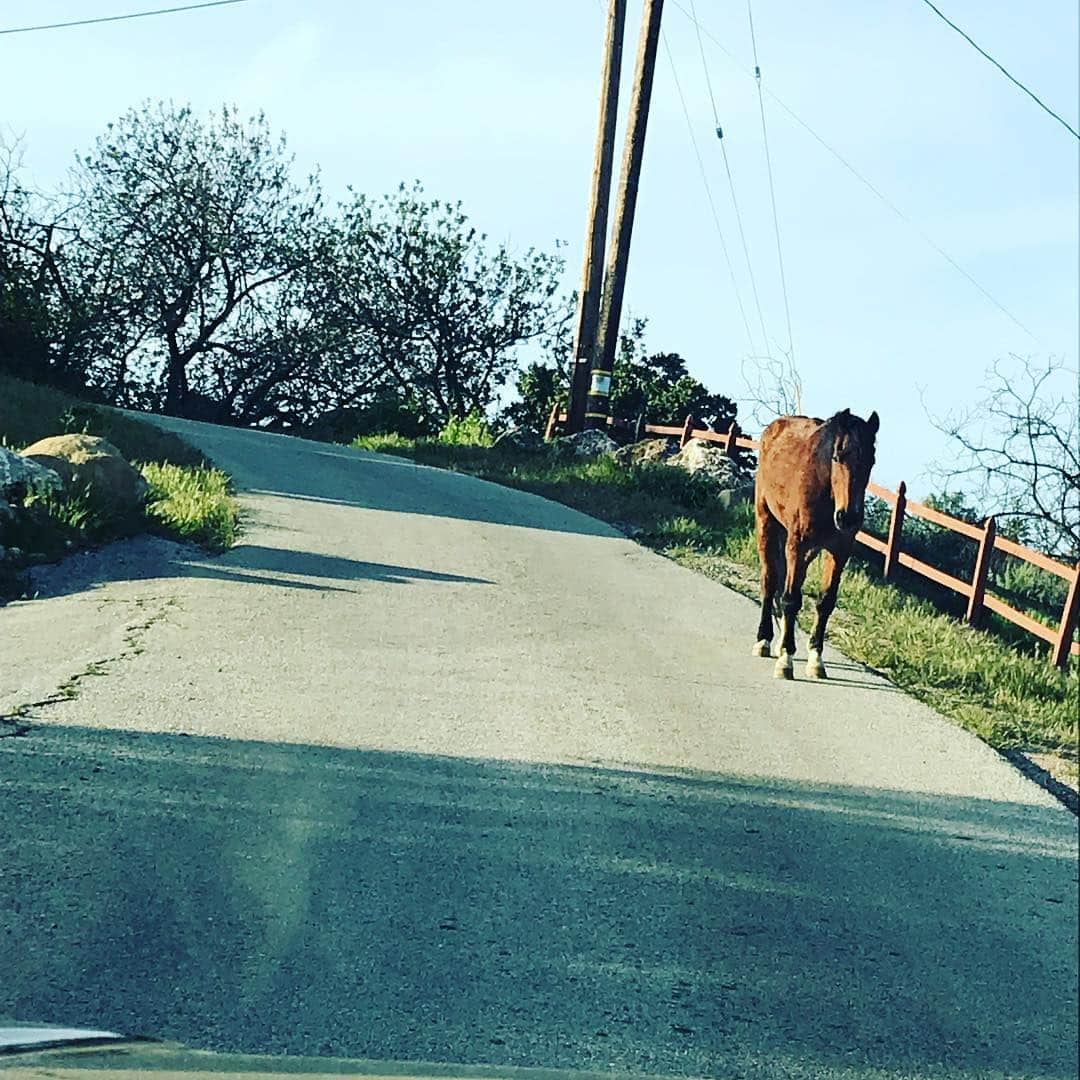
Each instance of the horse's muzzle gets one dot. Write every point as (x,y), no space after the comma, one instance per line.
(845,520)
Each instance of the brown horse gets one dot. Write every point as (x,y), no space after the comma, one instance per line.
(808,497)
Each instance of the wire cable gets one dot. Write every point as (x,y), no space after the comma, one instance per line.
(120,18)
(730,179)
(709,195)
(863,180)
(772,187)
(982,52)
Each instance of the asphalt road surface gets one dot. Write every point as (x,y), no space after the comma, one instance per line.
(428,769)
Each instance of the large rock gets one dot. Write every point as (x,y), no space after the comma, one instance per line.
(86,462)
(585,444)
(523,439)
(645,451)
(21,476)
(734,479)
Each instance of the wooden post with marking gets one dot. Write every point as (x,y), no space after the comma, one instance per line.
(896,527)
(982,568)
(592,273)
(1063,643)
(598,406)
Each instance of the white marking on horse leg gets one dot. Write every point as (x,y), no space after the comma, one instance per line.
(815,669)
(785,666)
(762,648)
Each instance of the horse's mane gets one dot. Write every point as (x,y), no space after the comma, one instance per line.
(843,421)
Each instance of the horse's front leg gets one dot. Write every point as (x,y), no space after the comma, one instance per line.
(770,555)
(797,561)
(830,586)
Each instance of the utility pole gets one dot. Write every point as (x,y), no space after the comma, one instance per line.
(592,274)
(597,408)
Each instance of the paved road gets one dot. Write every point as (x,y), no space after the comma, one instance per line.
(428,769)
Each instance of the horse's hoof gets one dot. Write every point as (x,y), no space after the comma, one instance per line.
(815,669)
(784,669)
(762,648)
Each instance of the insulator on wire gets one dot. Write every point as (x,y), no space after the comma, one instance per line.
(719,132)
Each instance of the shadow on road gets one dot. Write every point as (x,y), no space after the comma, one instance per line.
(146,557)
(299,899)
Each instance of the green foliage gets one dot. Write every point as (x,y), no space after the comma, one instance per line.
(660,386)
(430,305)
(539,386)
(387,441)
(205,237)
(194,504)
(469,430)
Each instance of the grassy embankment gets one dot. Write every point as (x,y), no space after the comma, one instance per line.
(998,685)
(189,499)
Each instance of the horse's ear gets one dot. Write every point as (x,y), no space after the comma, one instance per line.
(873,423)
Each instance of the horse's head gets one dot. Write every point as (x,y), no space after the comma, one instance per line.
(852,459)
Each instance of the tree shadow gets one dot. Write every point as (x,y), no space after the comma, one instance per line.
(145,558)
(307,900)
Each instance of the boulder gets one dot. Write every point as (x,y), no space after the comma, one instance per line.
(700,456)
(645,451)
(524,439)
(585,444)
(93,464)
(21,476)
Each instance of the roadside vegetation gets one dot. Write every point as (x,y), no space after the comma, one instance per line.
(1000,687)
(189,499)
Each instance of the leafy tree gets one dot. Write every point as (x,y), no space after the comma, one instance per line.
(430,308)
(195,234)
(660,386)
(539,386)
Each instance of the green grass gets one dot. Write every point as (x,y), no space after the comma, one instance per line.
(189,500)
(192,503)
(1008,695)
(29,412)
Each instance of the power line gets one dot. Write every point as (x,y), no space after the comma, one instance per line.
(862,179)
(709,195)
(982,52)
(730,180)
(772,186)
(120,18)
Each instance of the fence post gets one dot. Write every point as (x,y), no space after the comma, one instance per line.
(896,526)
(982,568)
(730,446)
(687,429)
(550,429)
(1063,644)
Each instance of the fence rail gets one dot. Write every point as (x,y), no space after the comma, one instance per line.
(985,535)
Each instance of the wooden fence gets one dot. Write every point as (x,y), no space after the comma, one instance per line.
(985,535)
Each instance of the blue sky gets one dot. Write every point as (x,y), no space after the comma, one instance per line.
(494,103)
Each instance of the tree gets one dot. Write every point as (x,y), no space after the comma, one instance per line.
(431,309)
(1018,447)
(195,234)
(539,386)
(660,386)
